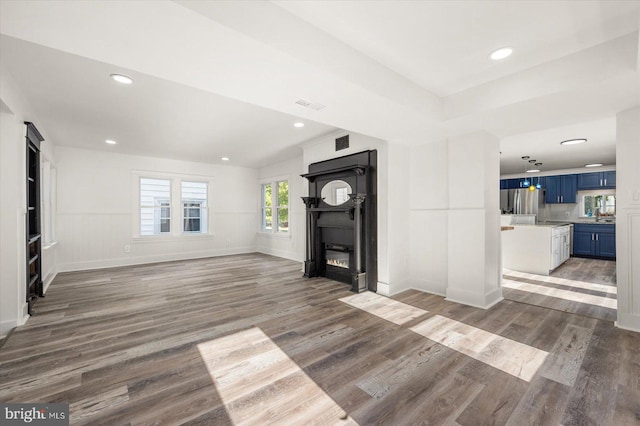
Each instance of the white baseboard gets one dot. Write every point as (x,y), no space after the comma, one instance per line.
(477,300)
(383,289)
(141,260)
(48,280)
(281,253)
(6,327)
(629,322)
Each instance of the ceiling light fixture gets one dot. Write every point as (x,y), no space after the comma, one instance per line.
(298,124)
(224,158)
(594,165)
(110,142)
(533,171)
(501,53)
(573,141)
(121,78)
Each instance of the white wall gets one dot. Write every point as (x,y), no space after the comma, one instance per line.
(289,246)
(97,210)
(429,203)
(628,218)
(16,110)
(454,219)
(323,148)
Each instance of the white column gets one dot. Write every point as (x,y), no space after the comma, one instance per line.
(628,218)
(474,220)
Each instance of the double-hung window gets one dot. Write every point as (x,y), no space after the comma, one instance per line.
(155,206)
(267,207)
(275,207)
(173,206)
(194,207)
(282,206)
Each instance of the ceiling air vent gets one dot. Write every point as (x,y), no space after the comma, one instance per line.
(310,105)
(342,143)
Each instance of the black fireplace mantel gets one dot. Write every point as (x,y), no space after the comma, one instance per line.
(352,224)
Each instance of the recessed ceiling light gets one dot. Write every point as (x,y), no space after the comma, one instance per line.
(533,171)
(110,142)
(298,124)
(120,78)
(573,141)
(594,165)
(224,158)
(501,53)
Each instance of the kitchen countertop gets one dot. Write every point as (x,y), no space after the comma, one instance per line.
(582,221)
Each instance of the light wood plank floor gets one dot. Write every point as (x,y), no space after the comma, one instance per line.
(580,286)
(246,340)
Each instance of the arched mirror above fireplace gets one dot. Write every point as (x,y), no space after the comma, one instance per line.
(336,192)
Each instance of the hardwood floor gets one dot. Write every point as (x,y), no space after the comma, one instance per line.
(246,340)
(580,286)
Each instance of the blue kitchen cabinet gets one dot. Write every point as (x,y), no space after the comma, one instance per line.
(597,180)
(609,179)
(561,189)
(514,183)
(606,245)
(583,243)
(593,240)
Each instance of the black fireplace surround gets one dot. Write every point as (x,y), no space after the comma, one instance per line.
(342,239)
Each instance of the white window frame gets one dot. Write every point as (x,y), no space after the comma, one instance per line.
(274,231)
(176,205)
(204,218)
(48,201)
(583,194)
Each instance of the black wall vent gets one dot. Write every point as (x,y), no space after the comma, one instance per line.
(342,143)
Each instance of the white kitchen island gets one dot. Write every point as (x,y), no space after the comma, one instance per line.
(536,249)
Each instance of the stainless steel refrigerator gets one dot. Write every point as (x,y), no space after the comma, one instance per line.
(520,201)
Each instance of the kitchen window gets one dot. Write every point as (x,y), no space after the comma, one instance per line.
(598,204)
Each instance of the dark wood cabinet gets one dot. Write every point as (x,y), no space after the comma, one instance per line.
(33,221)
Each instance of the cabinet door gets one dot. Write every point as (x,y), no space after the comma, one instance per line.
(568,188)
(589,180)
(609,179)
(551,194)
(513,183)
(583,244)
(606,245)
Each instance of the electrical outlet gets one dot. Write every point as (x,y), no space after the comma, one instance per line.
(127,248)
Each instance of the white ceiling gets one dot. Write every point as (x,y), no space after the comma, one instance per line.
(79,105)
(411,72)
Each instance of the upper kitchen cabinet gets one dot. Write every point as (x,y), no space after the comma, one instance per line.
(597,180)
(561,189)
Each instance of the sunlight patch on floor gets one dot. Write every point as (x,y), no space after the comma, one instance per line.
(383,307)
(259,384)
(561,294)
(603,288)
(515,358)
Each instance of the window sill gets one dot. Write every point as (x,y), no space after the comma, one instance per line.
(286,235)
(153,239)
(49,245)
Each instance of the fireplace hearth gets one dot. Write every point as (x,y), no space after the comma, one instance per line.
(341,220)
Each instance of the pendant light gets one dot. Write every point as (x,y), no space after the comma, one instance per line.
(525,182)
(538,185)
